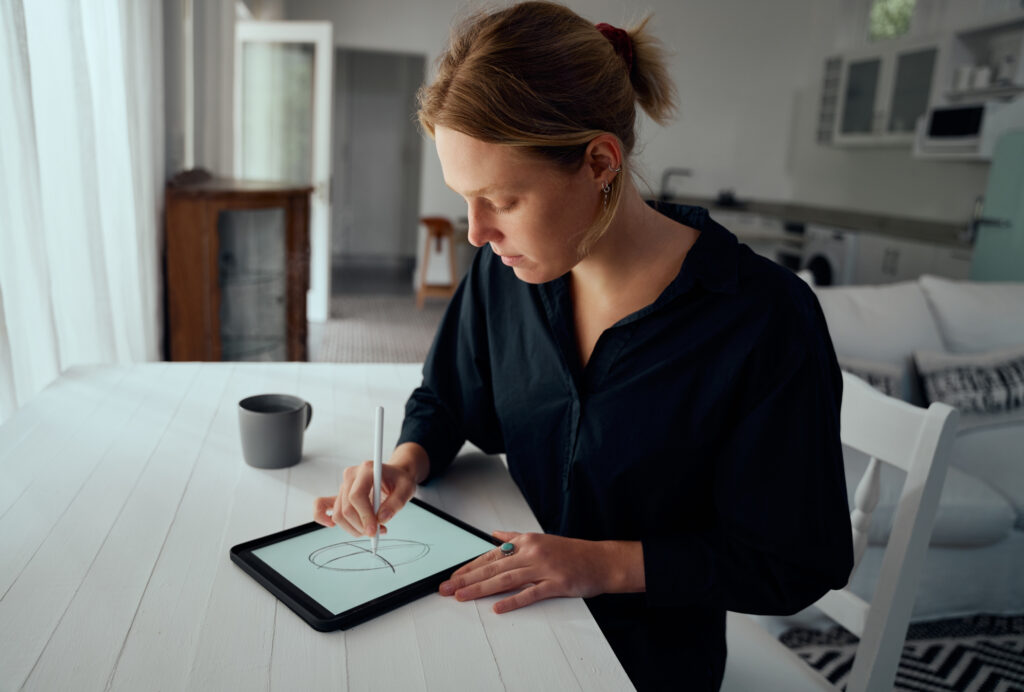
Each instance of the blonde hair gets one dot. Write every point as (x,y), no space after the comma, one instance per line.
(537,75)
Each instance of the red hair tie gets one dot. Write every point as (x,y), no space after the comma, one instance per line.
(620,40)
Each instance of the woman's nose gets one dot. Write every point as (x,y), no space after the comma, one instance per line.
(480,230)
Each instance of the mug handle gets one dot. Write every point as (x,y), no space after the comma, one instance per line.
(309,413)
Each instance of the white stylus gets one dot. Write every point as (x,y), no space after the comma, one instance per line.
(378,443)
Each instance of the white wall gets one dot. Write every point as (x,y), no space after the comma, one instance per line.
(213,42)
(174,88)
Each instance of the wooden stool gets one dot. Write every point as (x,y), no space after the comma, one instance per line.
(438,228)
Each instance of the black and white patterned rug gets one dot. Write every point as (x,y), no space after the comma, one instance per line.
(981,653)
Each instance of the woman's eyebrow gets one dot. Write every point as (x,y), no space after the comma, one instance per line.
(486,190)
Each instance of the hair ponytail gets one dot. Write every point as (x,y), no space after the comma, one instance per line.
(654,89)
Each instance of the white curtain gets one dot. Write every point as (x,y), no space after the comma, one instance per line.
(81,179)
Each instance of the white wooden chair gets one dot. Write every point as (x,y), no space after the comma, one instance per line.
(916,440)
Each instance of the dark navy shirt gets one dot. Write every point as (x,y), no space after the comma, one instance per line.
(705,425)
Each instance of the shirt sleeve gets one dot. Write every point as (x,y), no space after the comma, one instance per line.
(780,537)
(455,401)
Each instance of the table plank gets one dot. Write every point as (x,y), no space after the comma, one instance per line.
(40,429)
(453,646)
(85,645)
(235,635)
(303,658)
(48,470)
(42,592)
(162,642)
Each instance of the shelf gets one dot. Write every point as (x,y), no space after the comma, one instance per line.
(250,348)
(996,45)
(987,94)
(252,279)
(1011,20)
(951,156)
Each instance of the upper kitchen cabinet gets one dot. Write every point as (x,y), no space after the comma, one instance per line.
(883,90)
(987,62)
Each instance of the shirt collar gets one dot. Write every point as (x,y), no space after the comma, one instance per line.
(712,261)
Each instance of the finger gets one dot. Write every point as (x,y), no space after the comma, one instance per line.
(401,490)
(359,511)
(528,596)
(338,517)
(500,583)
(322,507)
(337,512)
(487,558)
(481,570)
(341,522)
(505,535)
(350,516)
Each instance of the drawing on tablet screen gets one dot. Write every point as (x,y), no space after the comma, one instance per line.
(357,555)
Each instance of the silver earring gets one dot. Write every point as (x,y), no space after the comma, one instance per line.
(607,190)
(615,170)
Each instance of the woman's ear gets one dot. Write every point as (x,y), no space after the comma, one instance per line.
(604,153)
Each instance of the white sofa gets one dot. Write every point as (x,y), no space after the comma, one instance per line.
(962,342)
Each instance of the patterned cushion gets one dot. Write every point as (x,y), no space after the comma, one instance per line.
(974,383)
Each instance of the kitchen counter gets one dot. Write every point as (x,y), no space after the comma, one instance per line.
(933,232)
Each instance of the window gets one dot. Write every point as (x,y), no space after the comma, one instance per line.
(889,18)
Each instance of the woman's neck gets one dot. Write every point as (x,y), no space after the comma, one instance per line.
(641,251)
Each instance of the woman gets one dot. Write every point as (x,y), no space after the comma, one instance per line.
(668,401)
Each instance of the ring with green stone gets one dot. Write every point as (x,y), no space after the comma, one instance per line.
(507,549)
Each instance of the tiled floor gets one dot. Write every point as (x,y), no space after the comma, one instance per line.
(363,280)
(379,321)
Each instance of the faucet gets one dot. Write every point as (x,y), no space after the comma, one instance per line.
(668,174)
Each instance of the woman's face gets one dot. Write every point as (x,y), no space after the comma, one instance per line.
(532,213)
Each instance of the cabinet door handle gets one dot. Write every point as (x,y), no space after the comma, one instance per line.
(999,223)
(890,260)
(977,220)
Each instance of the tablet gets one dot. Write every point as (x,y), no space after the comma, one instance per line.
(332,579)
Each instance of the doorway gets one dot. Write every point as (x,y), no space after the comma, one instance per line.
(376,188)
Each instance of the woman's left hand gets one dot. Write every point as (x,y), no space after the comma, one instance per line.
(549,567)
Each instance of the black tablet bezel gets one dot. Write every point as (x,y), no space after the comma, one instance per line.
(318,617)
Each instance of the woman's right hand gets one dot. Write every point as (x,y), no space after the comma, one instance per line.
(352,507)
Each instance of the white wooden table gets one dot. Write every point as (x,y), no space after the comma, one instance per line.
(122,489)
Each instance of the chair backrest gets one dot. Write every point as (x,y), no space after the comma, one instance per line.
(918,441)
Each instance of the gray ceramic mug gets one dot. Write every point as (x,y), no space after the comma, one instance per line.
(272,427)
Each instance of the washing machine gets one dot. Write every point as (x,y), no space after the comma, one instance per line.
(829,254)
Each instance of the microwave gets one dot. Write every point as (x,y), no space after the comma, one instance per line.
(969,129)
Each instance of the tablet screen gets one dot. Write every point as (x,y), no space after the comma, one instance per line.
(339,571)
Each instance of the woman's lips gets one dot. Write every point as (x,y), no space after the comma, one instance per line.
(511,260)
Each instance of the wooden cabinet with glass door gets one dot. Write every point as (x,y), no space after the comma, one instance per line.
(237,269)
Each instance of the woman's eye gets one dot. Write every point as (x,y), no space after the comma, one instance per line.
(504,210)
